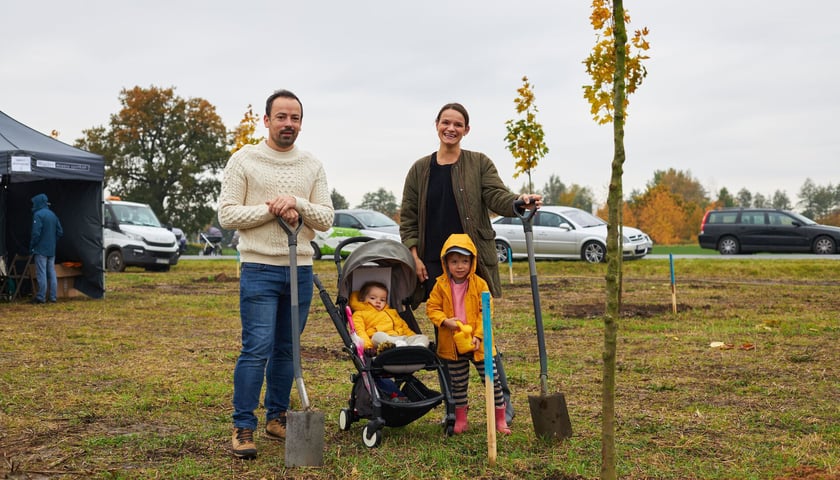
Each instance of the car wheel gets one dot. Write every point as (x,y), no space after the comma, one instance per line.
(824,246)
(729,246)
(317,251)
(594,252)
(114,262)
(502,249)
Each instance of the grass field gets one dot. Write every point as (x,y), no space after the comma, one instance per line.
(138,384)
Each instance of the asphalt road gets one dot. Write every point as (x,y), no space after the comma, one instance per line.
(754,256)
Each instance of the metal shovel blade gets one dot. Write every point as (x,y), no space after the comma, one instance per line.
(550,416)
(304,439)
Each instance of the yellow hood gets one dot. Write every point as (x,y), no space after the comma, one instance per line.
(462,241)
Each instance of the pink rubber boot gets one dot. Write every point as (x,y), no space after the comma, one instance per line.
(501,423)
(461,419)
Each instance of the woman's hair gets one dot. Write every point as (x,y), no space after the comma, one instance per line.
(458,108)
(366,288)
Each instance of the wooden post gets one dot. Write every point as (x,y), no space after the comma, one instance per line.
(673,285)
(489,404)
(510,264)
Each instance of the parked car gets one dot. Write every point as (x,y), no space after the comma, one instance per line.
(354,223)
(133,236)
(746,230)
(366,220)
(566,232)
(325,243)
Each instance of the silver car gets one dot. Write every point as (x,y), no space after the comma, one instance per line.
(367,221)
(566,232)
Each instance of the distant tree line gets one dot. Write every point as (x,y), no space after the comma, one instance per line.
(169,152)
(672,206)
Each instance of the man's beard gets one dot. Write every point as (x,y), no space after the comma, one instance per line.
(286,138)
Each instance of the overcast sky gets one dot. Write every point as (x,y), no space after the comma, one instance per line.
(740,93)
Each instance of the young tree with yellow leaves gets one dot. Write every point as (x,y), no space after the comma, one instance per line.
(525,137)
(243,134)
(615,73)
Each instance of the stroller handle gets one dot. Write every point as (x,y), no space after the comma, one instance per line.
(340,247)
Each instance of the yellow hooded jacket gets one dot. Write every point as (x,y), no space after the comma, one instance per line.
(368,320)
(439,305)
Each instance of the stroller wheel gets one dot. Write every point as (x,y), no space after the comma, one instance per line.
(371,439)
(345,419)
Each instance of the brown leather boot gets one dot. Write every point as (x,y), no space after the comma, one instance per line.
(275,429)
(242,443)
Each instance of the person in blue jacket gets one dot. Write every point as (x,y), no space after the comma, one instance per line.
(46,230)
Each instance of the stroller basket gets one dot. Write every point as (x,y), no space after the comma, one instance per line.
(421,398)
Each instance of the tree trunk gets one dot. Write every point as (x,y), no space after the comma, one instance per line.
(614,252)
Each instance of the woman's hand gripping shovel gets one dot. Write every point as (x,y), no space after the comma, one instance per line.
(304,430)
(549,413)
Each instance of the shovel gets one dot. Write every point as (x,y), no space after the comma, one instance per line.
(304,430)
(549,413)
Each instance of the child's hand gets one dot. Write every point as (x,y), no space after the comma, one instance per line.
(476,343)
(451,324)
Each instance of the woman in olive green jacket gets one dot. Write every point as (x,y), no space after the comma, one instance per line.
(452,191)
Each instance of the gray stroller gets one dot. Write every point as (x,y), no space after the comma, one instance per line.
(391,263)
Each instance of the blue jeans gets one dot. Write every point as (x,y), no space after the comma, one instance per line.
(44,272)
(265,308)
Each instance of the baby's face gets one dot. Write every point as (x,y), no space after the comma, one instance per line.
(377,297)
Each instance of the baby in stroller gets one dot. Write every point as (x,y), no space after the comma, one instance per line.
(378,325)
(387,388)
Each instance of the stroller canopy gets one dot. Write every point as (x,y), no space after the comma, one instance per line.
(381,252)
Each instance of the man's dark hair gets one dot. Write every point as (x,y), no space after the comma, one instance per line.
(285,94)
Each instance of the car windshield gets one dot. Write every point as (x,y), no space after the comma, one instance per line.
(805,220)
(136,215)
(584,219)
(375,220)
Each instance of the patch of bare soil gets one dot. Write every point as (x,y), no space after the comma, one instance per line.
(628,310)
(809,473)
(219,278)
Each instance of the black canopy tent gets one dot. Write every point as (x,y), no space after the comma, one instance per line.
(33,163)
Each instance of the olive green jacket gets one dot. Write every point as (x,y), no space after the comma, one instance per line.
(478,191)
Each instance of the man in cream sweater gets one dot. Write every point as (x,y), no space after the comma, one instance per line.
(262,182)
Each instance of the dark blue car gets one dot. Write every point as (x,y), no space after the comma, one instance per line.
(746,230)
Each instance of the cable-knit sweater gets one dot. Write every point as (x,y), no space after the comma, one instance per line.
(256,174)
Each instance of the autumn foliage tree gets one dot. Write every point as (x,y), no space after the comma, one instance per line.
(525,137)
(601,63)
(244,133)
(163,150)
(660,211)
(616,72)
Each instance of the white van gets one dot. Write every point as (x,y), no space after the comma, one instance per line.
(133,236)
